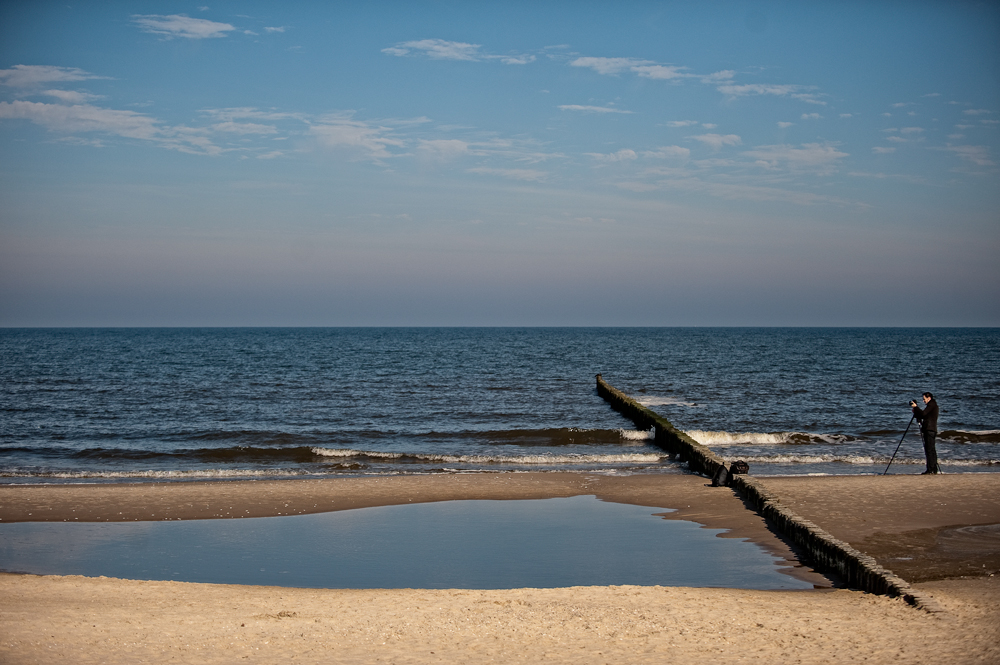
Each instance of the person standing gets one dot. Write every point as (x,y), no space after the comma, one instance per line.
(928,417)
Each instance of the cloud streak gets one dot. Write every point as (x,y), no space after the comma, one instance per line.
(27,76)
(644,68)
(181,25)
(809,157)
(717,141)
(85,118)
(591,109)
(440,49)
(345,133)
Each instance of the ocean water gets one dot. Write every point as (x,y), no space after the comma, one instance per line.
(113,405)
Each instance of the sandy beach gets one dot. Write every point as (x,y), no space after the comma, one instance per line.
(933,531)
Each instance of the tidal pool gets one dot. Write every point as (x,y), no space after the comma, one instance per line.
(578,541)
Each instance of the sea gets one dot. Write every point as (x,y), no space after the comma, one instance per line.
(117,405)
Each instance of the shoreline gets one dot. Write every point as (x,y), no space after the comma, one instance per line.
(927,523)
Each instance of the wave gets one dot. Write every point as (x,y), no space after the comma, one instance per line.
(637,434)
(620,458)
(853,459)
(554,436)
(970,436)
(193,474)
(664,401)
(764,438)
(199,455)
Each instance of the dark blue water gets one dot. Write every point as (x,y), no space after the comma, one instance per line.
(112,404)
(578,541)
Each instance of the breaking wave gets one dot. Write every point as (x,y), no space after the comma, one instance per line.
(621,458)
(764,438)
(194,474)
(664,401)
(967,436)
(853,459)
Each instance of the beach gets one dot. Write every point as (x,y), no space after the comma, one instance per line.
(63,618)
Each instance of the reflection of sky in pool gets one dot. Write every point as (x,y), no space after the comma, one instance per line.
(578,541)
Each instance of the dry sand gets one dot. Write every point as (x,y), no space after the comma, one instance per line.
(75,619)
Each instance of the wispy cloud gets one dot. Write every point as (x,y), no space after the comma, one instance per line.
(26,76)
(440,49)
(513,59)
(750,192)
(181,25)
(667,152)
(681,123)
(661,72)
(882,150)
(443,149)
(437,49)
(513,174)
(343,132)
(773,89)
(251,113)
(127,124)
(724,75)
(717,141)
(624,155)
(977,154)
(609,65)
(644,68)
(82,118)
(591,109)
(244,128)
(70,96)
(809,156)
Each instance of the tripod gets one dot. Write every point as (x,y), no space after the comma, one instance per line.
(900,443)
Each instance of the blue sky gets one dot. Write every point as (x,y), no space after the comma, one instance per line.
(560,163)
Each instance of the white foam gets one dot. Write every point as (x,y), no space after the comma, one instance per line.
(819,459)
(637,434)
(623,458)
(853,459)
(706,438)
(165,475)
(652,400)
(736,438)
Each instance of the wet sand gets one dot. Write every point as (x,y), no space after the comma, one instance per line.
(75,619)
(921,527)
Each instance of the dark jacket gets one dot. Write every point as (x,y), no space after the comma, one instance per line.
(927,416)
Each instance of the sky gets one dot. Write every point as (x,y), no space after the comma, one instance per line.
(499,164)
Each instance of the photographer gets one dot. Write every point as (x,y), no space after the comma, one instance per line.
(928,417)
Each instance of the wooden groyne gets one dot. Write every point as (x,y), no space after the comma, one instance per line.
(827,554)
(681,446)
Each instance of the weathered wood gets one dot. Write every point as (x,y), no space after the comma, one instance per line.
(699,458)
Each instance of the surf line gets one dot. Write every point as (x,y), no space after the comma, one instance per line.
(827,554)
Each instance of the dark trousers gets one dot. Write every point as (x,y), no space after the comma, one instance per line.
(930,452)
